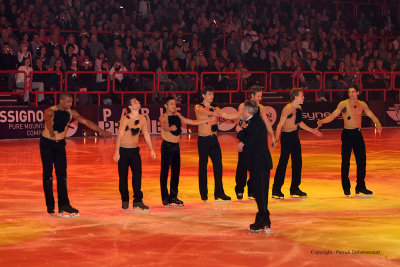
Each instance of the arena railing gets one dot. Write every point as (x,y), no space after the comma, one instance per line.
(195,84)
(223,75)
(379,88)
(13,80)
(396,86)
(136,73)
(274,80)
(55,93)
(261,82)
(88,92)
(306,86)
(354,75)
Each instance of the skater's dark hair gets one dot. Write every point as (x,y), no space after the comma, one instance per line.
(129,103)
(295,92)
(168,99)
(251,106)
(206,89)
(64,95)
(355,87)
(254,90)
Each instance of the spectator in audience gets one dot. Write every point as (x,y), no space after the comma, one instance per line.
(20,81)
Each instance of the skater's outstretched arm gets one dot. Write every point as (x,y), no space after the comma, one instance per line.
(89,123)
(148,140)
(369,113)
(311,130)
(194,122)
(334,114)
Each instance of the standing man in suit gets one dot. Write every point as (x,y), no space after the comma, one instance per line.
(254,138)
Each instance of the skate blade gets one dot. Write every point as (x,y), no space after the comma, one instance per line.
(217,201)
(68,215)
(277,197)
(138,210)
(296,196)
(364,196)
(175,206)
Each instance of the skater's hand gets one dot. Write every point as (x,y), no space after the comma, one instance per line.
(238,128)
(239,147)
(316,132)
(379,129)
(153,154)
(319,123)
(116,157)
(105,133)
(274,143)
(172,128)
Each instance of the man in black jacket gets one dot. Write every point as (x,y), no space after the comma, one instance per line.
(254,138)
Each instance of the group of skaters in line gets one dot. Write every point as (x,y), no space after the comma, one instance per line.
(254,155)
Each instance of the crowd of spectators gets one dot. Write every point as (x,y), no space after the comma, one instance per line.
(196,36)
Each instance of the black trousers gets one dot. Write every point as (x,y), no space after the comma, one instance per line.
(241,173)
(170,156)
(53,152)
(208,146)
(261,188)
(290,146)
(353,140)
(130,158)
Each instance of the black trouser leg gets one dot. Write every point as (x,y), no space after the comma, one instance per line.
(203,148)
(165,163)
(46,153)
(241,171)
(283,161)
(261,187)
(136,167)
(359,153)
(60,166)
(123,168)
(296,163)
(216,159)
(175,170)
(347,146)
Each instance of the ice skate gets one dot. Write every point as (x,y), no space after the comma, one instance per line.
(140,206)
(364,192)
(125,205)
(278,195)
(297,193)
(50,210)
(68,211)
(175,202)
(225,198)
(239,196)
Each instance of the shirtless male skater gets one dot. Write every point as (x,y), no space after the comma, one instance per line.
(52,151)
(127,153)
(352,110)
(243,162)
(171,122)
(291,119)
(208,144)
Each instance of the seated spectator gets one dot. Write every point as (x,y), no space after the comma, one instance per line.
(20,81)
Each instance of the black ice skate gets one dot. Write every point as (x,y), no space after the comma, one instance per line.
(68,211)
(222,197)
(239,196)
(347,193)
(297,193)
(363,192)
(175,202)
(140,206)
(251,195)
(278,195)
(50,210)
(125,205)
